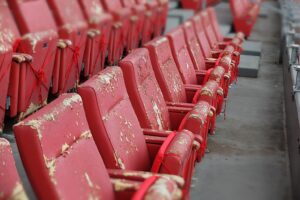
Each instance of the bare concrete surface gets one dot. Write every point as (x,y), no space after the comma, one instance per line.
(248,155)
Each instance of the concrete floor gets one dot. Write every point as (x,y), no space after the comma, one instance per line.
(248,155)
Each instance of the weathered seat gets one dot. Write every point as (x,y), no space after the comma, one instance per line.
(62,160)
(152,110)
(72,29)
(99,42)
(36,36)
(244,15)
(186,67)
(120,138)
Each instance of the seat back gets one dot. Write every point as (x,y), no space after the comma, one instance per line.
(59,153)
(9,33)
(39,39)
(181,56)
(237,7)
(214,20)
(10,185)
(165,70)
(67,12)
(32,16)
(92,10)
(202,39)
(208,29)
(113,122)
(8,25)
(193,45)
(128,3)
(112,5)
(5,68)
(141,84)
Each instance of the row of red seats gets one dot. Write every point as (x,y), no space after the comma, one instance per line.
(151,114)
(45,45)
(244,14)
(197,5)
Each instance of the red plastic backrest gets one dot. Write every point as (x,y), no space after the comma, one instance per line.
(8,27)
(209,31)
(165,70)
(181,55)
(213,18)
(92,9)
(237,7)
(141,1)
(144,91)
(200,32)
(59,153)
(66,12)
(128,3)
(10,185)
(114,125)
(32,15)
(193,45)
(112,5)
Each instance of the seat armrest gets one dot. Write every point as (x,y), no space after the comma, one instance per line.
(141,175)
(62,43)
(92,33)
(183,105)
(158,133)
(21,58)
(150,187)
(124,188)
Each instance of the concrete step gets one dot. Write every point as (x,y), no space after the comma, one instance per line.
(249,66)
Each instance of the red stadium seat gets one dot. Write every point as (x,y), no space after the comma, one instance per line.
(144,22)
(162,16)
(10,183)
(5,66)
(30,75)
(197,5)
(128,22)
(244,15)
(63,162)
(98,44)
(171,83)
(151,17)
(233,46)
(119,137)
(237,39)
(152,110)
(193,29)
(186,67)
(71,27)
(207,51)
